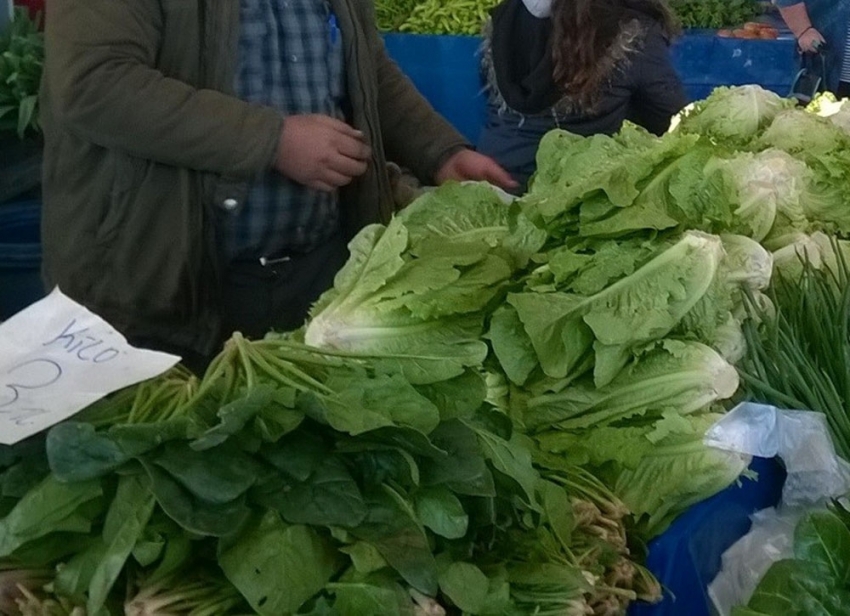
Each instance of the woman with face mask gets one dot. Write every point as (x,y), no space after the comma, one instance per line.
(584,66)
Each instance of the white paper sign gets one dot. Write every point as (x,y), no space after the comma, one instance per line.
(56,358)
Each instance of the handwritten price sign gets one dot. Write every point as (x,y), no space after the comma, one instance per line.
(56,358)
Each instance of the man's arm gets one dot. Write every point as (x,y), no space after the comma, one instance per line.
(104,88)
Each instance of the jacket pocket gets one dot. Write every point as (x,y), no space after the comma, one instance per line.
(127,174)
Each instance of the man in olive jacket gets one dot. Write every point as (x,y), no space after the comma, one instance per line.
(156,144)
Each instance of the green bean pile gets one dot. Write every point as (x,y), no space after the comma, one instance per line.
(457,17)
(391,14)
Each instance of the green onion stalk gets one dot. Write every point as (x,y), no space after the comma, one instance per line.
(798,354)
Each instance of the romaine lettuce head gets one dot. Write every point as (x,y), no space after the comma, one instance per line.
(658,469)
(673,377)
(735,114)
(636,309)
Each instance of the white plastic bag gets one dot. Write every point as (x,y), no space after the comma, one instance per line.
(815,475)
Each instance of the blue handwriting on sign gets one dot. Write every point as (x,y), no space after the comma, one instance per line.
(29,375)
(83,345)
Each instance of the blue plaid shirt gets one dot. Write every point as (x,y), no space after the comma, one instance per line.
(290,58)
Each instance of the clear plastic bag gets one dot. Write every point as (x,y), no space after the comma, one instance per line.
(815,475)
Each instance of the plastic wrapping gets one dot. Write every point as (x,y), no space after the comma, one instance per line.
(815,474)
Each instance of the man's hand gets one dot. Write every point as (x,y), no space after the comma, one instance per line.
(470,165)
(810,40)
(321,152)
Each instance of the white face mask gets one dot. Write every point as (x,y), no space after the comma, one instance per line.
(539,8)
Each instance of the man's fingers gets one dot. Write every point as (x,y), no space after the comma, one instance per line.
(501,178)
(353,148)
(322,186)
(348,166)
(340,126)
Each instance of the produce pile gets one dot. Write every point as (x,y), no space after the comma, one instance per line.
(491,412)
(714,14)
(457,17)
(21,59)
(466,17)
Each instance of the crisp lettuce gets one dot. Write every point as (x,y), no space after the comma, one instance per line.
(735,114)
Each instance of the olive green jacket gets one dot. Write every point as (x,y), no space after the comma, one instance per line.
(144,143)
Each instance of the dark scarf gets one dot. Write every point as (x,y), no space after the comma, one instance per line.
(521,58)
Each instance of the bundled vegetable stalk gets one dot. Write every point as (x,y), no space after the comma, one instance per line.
(799,347)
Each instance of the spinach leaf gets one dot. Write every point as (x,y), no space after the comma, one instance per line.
(125,521)
(218,476)
(49,507)
(278,567)
(821,537)
(441,511)
(796,588)
(464,470)
(466,586)
(391,526)
(363,598)
(77,452)
(192,513)
(329,496)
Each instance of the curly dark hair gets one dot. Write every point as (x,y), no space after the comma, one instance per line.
(582,34)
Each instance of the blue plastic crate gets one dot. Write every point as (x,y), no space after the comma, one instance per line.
(686,557)
(446,69)
(20,256)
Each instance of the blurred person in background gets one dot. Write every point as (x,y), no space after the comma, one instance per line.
(206,163)
(822,25)
(581,65)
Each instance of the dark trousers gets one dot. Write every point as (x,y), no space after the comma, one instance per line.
(259,298)
(277,296)
(843,90)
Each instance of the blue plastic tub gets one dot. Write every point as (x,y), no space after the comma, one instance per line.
(446,69)
(20,256)
(686,557)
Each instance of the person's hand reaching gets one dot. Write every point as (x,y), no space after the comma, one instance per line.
(810,40)
(470,165)
(321,152)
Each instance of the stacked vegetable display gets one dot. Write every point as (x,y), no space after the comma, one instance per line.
(466,17)
(455,17)
(469,421)
(714,14)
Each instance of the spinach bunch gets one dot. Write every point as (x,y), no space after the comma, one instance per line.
(291,480)
(21,61)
